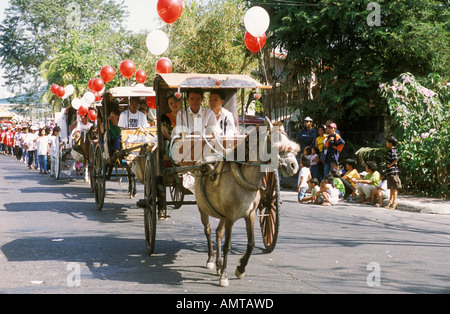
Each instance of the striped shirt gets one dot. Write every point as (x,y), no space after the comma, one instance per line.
(390,158)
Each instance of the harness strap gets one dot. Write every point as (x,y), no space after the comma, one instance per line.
(208,203)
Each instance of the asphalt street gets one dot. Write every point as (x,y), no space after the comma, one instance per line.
(54,240)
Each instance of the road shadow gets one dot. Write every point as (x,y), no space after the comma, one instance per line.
(118,259)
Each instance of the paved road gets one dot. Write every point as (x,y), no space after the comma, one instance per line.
(53,240)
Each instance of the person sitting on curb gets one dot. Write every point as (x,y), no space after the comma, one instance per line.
(368,183)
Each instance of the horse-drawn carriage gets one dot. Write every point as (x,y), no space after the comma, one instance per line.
(106,163)
(235,176)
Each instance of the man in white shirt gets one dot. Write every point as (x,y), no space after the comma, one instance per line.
(196,119)
(224,117)
(132,118)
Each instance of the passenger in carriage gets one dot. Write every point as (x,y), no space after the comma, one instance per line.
(196,119)
(224,117)
(169,120)
(132,118)
(115,132)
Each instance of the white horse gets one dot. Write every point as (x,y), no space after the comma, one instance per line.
(232,191)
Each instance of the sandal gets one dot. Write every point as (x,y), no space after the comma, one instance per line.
(394,206)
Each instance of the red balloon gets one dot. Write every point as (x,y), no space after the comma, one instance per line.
(127,68)
(97,85)
(151,102)
(82,110)
(164,65)
(254,44)
(60,91)
(107,73)
(54,88)
(90,86)
(92,115)
(169,10)
(141,76)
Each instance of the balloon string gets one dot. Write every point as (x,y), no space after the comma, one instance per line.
(168,49)
(262,61)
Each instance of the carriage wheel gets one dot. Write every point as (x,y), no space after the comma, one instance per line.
(177,194)
(151,205)
(91,165)
(99,170)
(269,209)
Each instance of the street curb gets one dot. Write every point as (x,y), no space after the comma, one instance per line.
(419,205)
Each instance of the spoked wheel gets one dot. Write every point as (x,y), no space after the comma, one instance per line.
(269,209)
(151,205)
(177,194)
(99,174)
(91,165)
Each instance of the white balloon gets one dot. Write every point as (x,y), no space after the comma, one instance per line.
(69,89)
(88,98)
(256,21)
(76,103)
(157,42)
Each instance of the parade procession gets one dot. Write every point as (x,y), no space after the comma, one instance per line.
(145,143)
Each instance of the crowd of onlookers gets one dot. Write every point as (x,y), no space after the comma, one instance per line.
(325,179)
(34,146)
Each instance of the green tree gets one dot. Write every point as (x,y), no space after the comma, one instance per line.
(34,29)
(422,116)
(350,57)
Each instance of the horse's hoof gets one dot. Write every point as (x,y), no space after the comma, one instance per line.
(223,282)
(239,274)
(210,265)
(219,272)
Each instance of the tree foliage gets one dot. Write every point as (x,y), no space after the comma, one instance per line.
(350,57)
(209,38)
(422,115)
(34,29)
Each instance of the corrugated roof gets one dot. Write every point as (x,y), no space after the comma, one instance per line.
(202,80)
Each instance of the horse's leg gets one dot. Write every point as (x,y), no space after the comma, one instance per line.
(249,222)
(226,250)
(207,228)
(219,236)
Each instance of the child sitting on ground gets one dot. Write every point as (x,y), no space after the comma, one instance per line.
(381,191)
(327,195)
(314,187)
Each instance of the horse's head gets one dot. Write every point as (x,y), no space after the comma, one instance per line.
(287,150)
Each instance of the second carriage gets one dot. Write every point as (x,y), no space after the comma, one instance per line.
(105,161)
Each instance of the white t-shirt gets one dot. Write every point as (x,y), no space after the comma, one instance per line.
(81,127)
(226,123)
(29,141)
(42,145)
(128,120)
(305,173)
(54,145)
(313,159)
